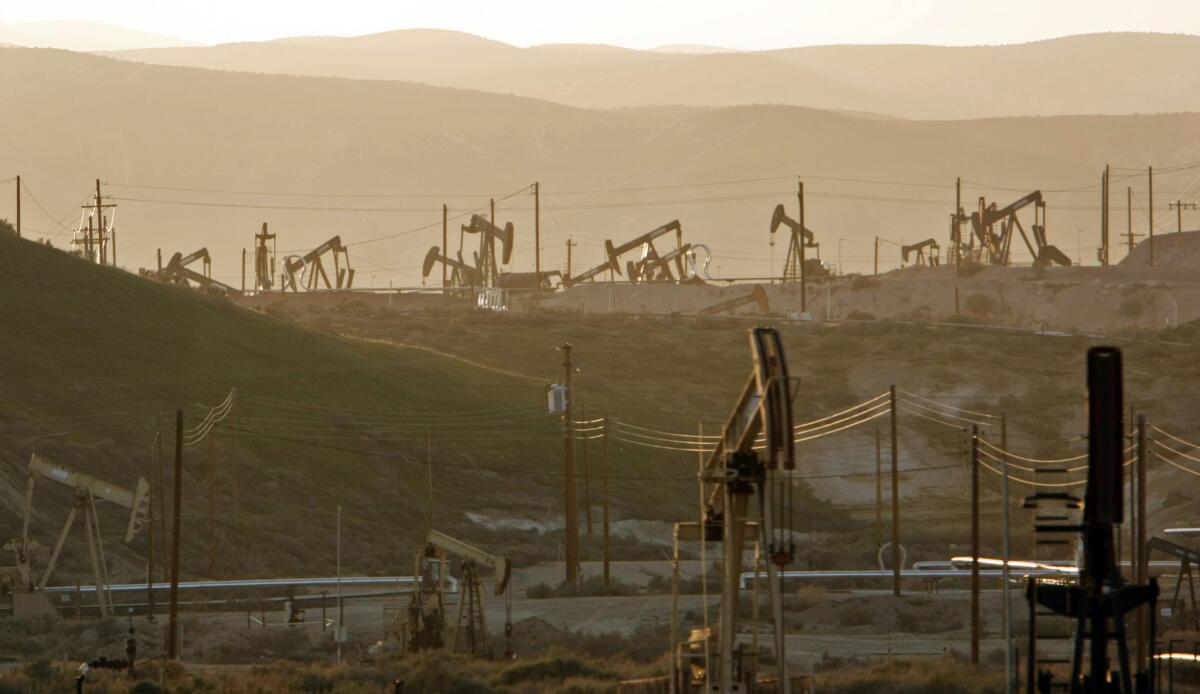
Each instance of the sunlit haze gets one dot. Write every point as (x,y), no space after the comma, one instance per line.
(746,25)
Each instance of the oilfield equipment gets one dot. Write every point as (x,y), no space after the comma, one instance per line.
(486,261)
(424,626)
(928,252)
(179,271)
(796,264)
(264,261)
(1187,559)
(95,235)
(651,264)
(742,466)
(1101,598)
(461,273)
(995,247)
(756,297)
(308,271)
(30,598)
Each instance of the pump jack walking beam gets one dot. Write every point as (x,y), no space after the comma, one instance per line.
(733,473)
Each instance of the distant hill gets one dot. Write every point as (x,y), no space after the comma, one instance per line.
(603,173)
(83,36)
(1117,73)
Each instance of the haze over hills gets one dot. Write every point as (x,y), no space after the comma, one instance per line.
(1117,73)
(83,36)
(604,173)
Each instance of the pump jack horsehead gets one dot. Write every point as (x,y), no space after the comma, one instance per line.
(485,260)
(737,471)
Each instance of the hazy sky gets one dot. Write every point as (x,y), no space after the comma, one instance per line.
(745,24)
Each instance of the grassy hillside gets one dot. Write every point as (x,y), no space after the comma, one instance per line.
(1070,75)
(93,357)
(303,144)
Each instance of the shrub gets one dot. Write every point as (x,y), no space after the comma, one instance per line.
(552,667)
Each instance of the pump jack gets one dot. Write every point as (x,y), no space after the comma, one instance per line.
(87,490)
(651,262)
(758,296)
(461,274)
(734,472)
(791,266)
(309,270)
(485,259)
(933,259)
(264,260)
(426,611)
(1101,598)
(178,271)
(995,246)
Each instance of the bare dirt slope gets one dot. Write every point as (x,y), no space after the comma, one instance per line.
(1069,75)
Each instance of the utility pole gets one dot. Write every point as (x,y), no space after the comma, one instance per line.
(895,497)
(243,270)
(338,559)
(173,619)
(975,545)
(163,537)
(153,497)
(876,255)
(604,502)
(537,233)
(571,511)
(956,223)
(803,273)
(570,244)
(587,473)
(1104,217)
(1150,209)
(1009,662)
(1179,206)
(1143,559)
(445,242)
(18,205)
(1129,217)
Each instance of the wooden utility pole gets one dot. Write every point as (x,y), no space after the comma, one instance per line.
(570,510)
(975,545)
(176,540)
(587,473)
(150,509)
(445,241)
(570,244)
(604,502)
(243,270)
(1150,211)
(162,505)
(18,205)
(956,224)
(1142,574)
(895,496)
(803,273)
(1129,217)
(1179,206)
(876,255)
(100,226)
(1104,217)
(537,233)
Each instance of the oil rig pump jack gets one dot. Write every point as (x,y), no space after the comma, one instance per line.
(1100,600)
(426,615)
(264,260)
(733,473)
(995,247)
(796,265)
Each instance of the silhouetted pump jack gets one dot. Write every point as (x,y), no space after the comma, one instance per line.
(1101,599)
